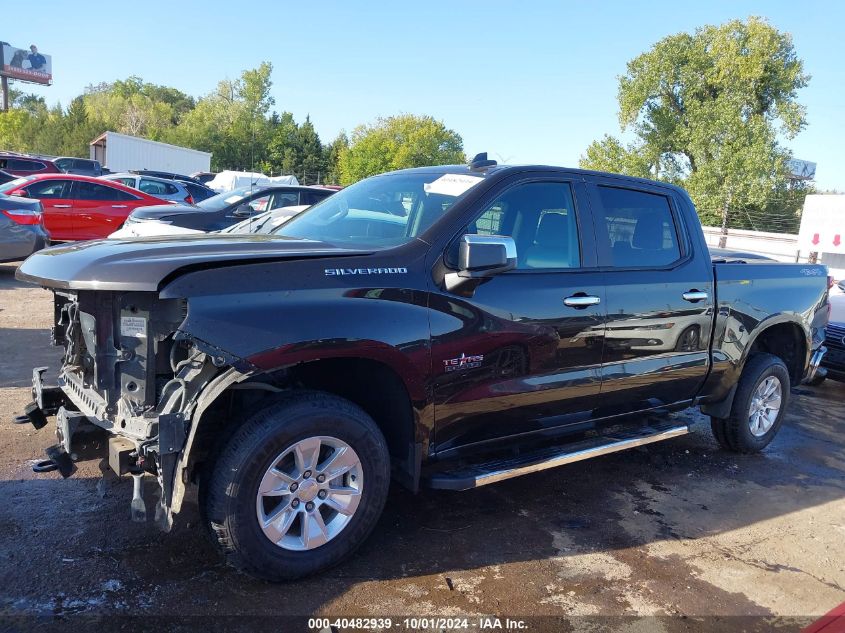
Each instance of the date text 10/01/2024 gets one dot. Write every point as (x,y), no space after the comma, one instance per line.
(414,623)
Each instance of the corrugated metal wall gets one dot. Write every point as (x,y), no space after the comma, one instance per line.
(127,152)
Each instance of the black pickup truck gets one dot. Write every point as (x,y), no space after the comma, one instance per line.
(447,327)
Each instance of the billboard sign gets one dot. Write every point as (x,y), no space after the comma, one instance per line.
(27,64)
(801,169)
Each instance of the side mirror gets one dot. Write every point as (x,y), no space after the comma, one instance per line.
(481,257)
(243,210)
(18,192)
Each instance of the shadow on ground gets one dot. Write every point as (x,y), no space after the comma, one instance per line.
(7,276)
(66,547)
(596,537)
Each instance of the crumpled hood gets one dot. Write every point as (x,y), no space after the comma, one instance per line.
(141,264)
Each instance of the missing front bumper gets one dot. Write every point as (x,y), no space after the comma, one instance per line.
(815,361)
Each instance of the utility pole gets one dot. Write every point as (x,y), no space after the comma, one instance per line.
(723,238)
(5,82)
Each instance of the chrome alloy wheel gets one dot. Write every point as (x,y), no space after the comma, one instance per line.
(765,405)
(309,493)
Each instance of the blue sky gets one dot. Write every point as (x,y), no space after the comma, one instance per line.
(529,82)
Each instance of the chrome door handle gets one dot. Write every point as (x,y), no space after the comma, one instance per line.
(581,301)
(62,206)
(118,206)
(694,296)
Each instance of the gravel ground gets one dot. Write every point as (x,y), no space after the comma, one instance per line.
(678,530)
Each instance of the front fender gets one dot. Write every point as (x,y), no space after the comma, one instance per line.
(274,315)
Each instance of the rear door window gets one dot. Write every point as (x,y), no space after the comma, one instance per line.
(640,228)
(92,191)
(157,188)
(48,189)
(197,192)
(16,164)
(284,199)
(313,197)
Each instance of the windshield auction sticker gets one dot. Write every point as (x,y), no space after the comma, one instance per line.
(452,184)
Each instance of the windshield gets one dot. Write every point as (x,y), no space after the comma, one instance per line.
(223,200)
(383,211)
(14,184)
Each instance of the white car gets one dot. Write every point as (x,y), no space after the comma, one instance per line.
(150,229)
(261,223)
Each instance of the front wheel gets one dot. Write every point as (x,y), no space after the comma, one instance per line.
(298,487)
(758,407)
(689,340)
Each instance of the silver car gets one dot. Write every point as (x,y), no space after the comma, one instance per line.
(171,190)
(22,230)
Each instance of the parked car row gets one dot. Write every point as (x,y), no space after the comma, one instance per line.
(72,207)
(79,207)
(27,165)
(170,190)
(225,209)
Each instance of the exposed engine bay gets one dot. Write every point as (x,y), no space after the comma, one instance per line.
(128,371)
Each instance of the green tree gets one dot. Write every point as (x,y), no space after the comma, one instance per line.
(281,154)
(398,142)
(12,128)
(609,154)
(331,158)
(231,122)
(30,102)
(310,158)
(295,149)
(77,129)
(707,111)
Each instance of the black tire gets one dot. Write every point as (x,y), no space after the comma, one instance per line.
(734,433)
(230,497)
(717,426)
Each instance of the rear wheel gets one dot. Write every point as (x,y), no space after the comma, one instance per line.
(758,407)
(298,487)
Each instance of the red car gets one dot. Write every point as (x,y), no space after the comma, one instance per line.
(80,207)
(21,165)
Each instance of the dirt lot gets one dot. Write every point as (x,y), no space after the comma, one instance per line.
(679,528)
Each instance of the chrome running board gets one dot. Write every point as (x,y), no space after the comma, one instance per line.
(465,477)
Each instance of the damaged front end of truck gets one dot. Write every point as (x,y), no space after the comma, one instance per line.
(134,380)
(128,371)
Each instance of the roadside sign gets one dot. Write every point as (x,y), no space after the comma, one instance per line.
(823,224)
